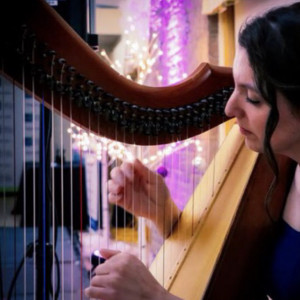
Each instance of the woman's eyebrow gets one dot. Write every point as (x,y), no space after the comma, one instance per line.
(250,86)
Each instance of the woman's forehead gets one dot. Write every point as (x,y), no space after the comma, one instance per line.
(242,71)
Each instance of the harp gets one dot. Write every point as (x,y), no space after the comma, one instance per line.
(55,66)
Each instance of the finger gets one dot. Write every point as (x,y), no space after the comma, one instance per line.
(116,198)
(106,267)
(128,170)
(100,293)
(134,175)
(145,172)
(94,292)
(117,175)
(97,280)
(114,187)
(108,253)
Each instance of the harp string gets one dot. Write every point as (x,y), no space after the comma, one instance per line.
(148,240)
(62,182)
(3,192)
(24,177)
(128,228)
(185,234)
(124,219)
(34,170)
(1,175)
(81,218)
(71,206)
(93,160)
(34,179)
(15,225)
(214,172)
(134,220)
(53,204)
(53,187)
(116,212)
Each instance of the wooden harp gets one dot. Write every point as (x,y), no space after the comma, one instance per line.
(44,56)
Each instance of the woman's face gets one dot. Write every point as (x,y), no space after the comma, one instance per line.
(251,112)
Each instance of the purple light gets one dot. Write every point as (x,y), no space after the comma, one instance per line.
(169,19)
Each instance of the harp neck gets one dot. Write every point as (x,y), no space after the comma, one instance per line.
(65,66)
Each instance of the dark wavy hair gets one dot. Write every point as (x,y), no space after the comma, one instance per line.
(272,42)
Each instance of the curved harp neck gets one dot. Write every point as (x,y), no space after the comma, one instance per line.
(61,61)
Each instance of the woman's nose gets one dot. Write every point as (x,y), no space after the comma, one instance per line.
(232,108)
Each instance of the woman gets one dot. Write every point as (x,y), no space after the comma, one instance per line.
(266,105)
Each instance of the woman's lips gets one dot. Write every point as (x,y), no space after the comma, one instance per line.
(244,131)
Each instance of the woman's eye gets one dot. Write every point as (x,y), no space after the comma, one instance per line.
(252,101)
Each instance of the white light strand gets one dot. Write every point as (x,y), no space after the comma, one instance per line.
(116,150)
(140,56)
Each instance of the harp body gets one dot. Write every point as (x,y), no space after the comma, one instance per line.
(71,79)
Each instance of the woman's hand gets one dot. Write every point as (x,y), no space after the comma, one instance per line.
(143,193)
(124,277)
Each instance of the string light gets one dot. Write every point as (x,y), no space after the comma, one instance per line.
(93,144)
(170,20)
(140,54)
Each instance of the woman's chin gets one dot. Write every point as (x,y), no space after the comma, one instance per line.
(253,146)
